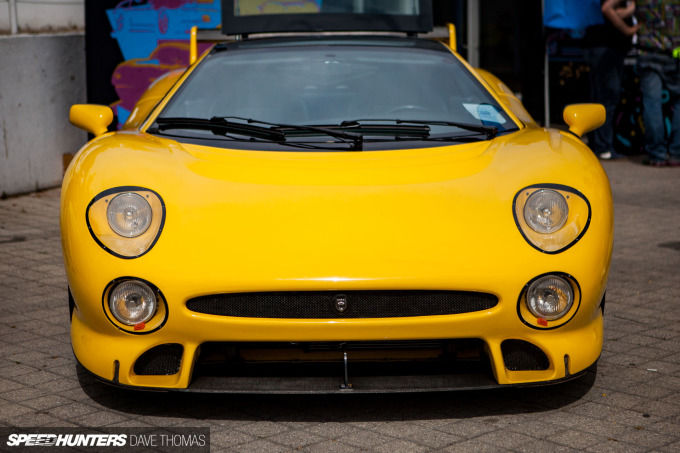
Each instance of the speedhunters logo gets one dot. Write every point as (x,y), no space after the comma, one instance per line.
(129,439)
(67,440)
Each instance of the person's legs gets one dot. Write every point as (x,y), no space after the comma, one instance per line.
(606,74)
(674,146)
(672,82)
(652,115)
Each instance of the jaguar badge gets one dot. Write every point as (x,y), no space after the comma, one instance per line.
(340,303)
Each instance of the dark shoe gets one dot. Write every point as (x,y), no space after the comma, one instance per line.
(610,155)
(655,163)
(673,163)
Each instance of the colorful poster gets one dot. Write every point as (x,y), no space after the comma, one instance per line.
(153,36)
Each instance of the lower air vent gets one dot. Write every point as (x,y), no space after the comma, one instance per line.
(342,304)
(520,355)
(163,360)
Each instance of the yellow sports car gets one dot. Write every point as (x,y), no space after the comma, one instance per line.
(325,213)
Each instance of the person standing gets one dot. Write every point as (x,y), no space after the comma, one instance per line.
(659,67)
(605,48)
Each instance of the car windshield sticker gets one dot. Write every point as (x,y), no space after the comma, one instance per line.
(486,113)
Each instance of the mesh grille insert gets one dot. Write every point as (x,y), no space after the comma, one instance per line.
(359,304)
(520,355)
(163,360)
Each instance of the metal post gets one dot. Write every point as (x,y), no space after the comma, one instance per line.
(473,32)
(14,29)
(546,78)
(546,89)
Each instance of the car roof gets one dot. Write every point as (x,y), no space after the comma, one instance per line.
(334,40)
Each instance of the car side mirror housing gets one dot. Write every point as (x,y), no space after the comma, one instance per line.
(583,118)
(92,118)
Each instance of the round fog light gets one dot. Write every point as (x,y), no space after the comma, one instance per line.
(132,302)
(550,297)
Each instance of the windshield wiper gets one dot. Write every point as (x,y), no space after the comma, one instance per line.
(294,129)
(489,131)
(218,127)
(398,130)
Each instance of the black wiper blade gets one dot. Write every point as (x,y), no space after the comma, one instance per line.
(218,126)
(294,129)
(489,131)
(400,130)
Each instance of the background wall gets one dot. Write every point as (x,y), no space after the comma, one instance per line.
(43,15)
(42,74)
(40,77)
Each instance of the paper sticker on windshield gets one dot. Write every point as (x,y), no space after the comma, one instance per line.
(486,113)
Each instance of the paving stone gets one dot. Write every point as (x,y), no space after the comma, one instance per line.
(229,437)
(466,429)
(262,446)
(263,429)
(331,446)
(365,439)
(544,446)
(99,418)
(401,446)
(11,411)
(475,445)
(646,438)
(45,402)
(670,448)
(295,438)
(577,439)
(614,446)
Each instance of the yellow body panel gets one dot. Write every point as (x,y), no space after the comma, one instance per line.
(239,221)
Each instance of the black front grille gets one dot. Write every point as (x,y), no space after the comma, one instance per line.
(163,360)
(359,304)
(520,355)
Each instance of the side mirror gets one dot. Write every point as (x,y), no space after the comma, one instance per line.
(92,118)
(583,118)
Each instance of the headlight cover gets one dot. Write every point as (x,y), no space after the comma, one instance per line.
(134,305)
(551,217)
(550,297)
(129,214)
(126,221)
(546,211)
(549,301)
(132,302)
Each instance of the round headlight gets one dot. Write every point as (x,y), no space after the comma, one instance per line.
(129,214)
(132,302)
(546,211)
(550,297)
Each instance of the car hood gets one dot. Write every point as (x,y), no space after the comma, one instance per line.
(406,218)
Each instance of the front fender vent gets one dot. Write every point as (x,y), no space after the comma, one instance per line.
(162,360)
(520,355)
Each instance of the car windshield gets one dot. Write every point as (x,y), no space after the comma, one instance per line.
(330,85)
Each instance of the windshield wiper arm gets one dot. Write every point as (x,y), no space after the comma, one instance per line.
(356,139)
(401,130)
(218,126)
(489,131)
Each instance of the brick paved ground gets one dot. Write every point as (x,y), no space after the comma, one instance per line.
(631,404)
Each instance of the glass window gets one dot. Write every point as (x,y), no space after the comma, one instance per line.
(329,85)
